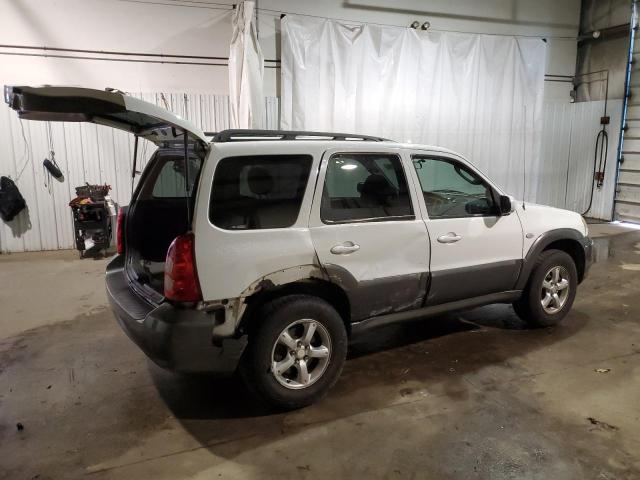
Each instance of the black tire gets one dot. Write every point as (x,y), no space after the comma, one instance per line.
(529,307)
(272,319)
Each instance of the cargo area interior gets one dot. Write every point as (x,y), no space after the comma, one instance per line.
(160,211)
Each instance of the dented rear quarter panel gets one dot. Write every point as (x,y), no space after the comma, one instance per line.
(231,262)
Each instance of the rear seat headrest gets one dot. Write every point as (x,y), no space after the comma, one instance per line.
(376,186)
(259,180)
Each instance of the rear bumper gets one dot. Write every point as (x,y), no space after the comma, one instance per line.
(174,338)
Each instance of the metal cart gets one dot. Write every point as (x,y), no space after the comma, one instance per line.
(92,218)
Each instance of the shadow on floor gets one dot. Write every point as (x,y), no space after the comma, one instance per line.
(98,253)
(382,367)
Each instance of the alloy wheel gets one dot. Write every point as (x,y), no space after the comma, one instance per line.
(555,289)
(301,354)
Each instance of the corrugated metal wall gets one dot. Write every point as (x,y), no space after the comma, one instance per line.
(96,154)
(567,153)
(85,153)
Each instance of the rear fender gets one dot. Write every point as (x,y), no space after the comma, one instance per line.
(234,308)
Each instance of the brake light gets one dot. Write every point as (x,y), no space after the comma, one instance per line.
(120,231)
(180,276)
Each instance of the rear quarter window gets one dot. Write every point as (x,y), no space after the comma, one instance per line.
(258,192)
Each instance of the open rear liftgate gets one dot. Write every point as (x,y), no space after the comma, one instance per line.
(111,108)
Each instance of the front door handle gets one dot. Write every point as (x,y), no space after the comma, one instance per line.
(345,248)
(450,237)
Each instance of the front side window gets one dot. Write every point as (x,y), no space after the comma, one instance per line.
(257,192)
(452,190)
(365,187)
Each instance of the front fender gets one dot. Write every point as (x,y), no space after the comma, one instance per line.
(582,243)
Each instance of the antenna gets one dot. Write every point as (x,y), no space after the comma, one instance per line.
(524,158)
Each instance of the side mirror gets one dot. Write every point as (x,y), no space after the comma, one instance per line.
(506,205)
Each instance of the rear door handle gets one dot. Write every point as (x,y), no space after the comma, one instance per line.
(345,248)
(450,237)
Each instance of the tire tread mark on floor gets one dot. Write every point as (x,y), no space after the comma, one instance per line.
(97,469)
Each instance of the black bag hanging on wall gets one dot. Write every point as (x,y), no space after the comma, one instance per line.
(11,200)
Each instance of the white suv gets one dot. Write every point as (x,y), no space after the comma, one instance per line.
(267,251)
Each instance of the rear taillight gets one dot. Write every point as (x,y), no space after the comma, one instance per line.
(120,232)
(180,276)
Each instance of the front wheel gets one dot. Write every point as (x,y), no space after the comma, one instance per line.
(296,353)
(551,290)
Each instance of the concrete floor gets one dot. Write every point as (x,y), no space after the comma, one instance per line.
(473,395)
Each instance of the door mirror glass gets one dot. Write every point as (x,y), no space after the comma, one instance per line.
(505,205)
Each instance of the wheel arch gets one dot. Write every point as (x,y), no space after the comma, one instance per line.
(575,251)
(325,290)
(567,240)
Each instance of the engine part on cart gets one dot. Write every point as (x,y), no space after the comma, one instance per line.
(11,200)
(95,192)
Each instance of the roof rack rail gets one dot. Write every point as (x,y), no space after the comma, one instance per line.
(239,135)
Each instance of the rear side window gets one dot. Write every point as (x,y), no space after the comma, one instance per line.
(257,192)
(365,187)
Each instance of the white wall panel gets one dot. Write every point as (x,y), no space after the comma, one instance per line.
(85,153)
(178,27)
(585,130)
(94,154)
(554,154)
(602,206)
(568,144)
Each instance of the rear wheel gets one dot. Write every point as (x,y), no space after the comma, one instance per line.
(296,353)
(551,290)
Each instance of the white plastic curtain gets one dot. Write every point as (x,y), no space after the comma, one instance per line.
(480,95)
(246,70)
